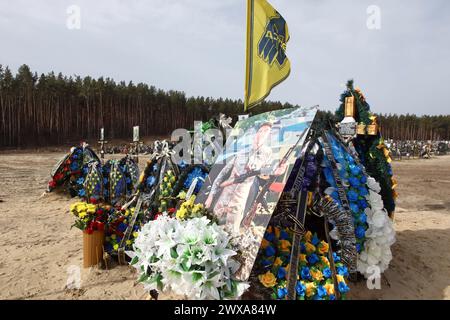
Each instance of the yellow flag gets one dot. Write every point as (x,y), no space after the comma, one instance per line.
(266,63)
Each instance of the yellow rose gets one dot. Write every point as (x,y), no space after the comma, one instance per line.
(308,236)
(128,242)
(116,246)
(82,214)
(325,261)
(264,243)
(135,234)
(310,289)
(269,229)
(310,248)
(268,279)
(340,278)
(284,245)
(316,274)
(302,257)
(330,288)
(322,248)
(277,262)
(277,232)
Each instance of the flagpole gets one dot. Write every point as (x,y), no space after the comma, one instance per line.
(248,53)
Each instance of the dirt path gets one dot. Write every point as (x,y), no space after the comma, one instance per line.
(40,251)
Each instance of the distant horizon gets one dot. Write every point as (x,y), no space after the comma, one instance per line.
(269,101)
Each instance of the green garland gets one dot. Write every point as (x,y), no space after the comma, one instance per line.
(371,148)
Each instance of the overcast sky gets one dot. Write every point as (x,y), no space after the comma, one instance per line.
(198,46)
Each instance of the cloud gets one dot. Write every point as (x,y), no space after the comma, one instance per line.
(198,46)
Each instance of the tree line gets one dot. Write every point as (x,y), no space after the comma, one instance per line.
(51,109)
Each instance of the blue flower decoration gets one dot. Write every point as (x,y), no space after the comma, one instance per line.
(302,248)
(281,293)
(343,271)
(360,232)
(321,291)
(269,236)
(300,288)
(354,182)
(362,203)
(336,258)
(352,196)
(80,180)
(304,273)
(313,258)
(354,207)
(266,263)
(270,251)
(332,297)
(389,170)
(315,240)
(284,235)
(358,247)
(81,193)
(363,218)
(335,195)
(326,272)
(122,227)
(363,191)
(150,181)
(363,180)
(329,176)
(343,288)
(355,170)
(281,274)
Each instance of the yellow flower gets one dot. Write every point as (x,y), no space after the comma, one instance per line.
(310,289)
(284,245)
(128,242)
(269,229)
(277,262)
(82,214)
(322,248)
(116,246)
(73,207)
(181,213)
(325,261)
(316,274)
(127,213)
(310,248)
(302,257)
(268,279)
(277,232)
(264,243)
(330,288)
(91,208)
(308,236)
(340,278)
(135,234)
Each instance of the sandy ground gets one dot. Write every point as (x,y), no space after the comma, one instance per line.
(40,252)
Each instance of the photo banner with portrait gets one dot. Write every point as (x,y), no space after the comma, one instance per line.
(248,177)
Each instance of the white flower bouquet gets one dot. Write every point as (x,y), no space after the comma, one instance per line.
(190,258)
(380,235)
